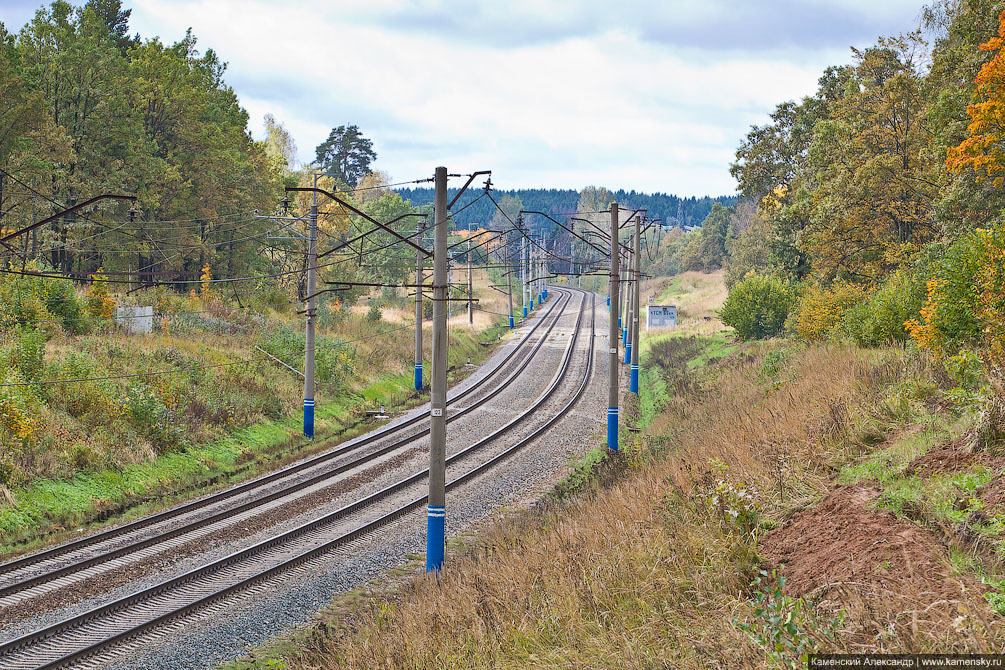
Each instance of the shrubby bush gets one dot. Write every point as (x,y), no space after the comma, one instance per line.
(758,306)
(331,313)
(818,312)
(334,360)
(954,316)
(23,349)
(882,317)
(27,299)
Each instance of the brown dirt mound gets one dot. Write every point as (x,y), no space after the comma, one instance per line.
(891,577)
(949,457)
(992,494)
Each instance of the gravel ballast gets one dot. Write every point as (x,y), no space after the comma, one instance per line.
(227,630)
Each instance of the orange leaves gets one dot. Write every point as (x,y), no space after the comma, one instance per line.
(984,150)
(970,289)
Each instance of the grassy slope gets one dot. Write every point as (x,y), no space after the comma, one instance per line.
(47,510)
(656,566)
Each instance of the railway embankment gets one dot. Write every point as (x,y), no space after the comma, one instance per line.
(105,452)
(778,498)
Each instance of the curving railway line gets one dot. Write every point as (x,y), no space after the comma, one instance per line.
(49,568)
(96,635)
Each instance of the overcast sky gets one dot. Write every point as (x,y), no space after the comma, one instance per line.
(651,95)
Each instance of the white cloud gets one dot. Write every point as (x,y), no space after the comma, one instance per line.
(630,94)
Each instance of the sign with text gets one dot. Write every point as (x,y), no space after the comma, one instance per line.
(661,316)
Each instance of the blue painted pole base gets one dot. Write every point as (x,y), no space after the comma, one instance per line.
(532,303)
(309,418)
(612,428)
(418,376)
(435,537)
(608,303)
(511,322)
(624,337)
(634,387)
(525,311)
(628,353)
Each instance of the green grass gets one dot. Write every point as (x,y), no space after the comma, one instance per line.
(46,510)
(887,465)
(672,291)
(582,472)
(716,346)
(939,498)
(46,505)
(653,394)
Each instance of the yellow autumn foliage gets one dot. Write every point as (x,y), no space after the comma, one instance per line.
(818,314)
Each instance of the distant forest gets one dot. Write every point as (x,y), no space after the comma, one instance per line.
(674,210)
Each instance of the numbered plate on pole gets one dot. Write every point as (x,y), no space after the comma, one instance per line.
(614,350)
(437,411)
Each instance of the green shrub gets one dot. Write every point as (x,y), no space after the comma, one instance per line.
(149,414)
(26,298)
(758,306)
(334,361)
(62,303)
(881,317)
(330,313)
(374,314)
(24,351)
(952,317)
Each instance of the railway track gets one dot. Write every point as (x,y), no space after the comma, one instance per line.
(101,628)
(36,574)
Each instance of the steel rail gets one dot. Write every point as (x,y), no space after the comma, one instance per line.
(196,524)
(67,547)
(89,650)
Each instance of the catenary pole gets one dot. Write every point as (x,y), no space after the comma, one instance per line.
(312,281)
(436,507)
(636,290)
(630,306)
(523,265)
(471,314)
(612,339)
(418,314)
(621,302)
(509,282)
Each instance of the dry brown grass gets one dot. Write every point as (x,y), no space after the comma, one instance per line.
(697,295)
(646,573)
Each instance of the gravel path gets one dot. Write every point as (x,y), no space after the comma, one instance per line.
(224,632)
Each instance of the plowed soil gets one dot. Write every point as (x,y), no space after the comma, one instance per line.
(992,494)
(893,578)
(951,457)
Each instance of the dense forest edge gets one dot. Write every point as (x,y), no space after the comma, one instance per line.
(672,210)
